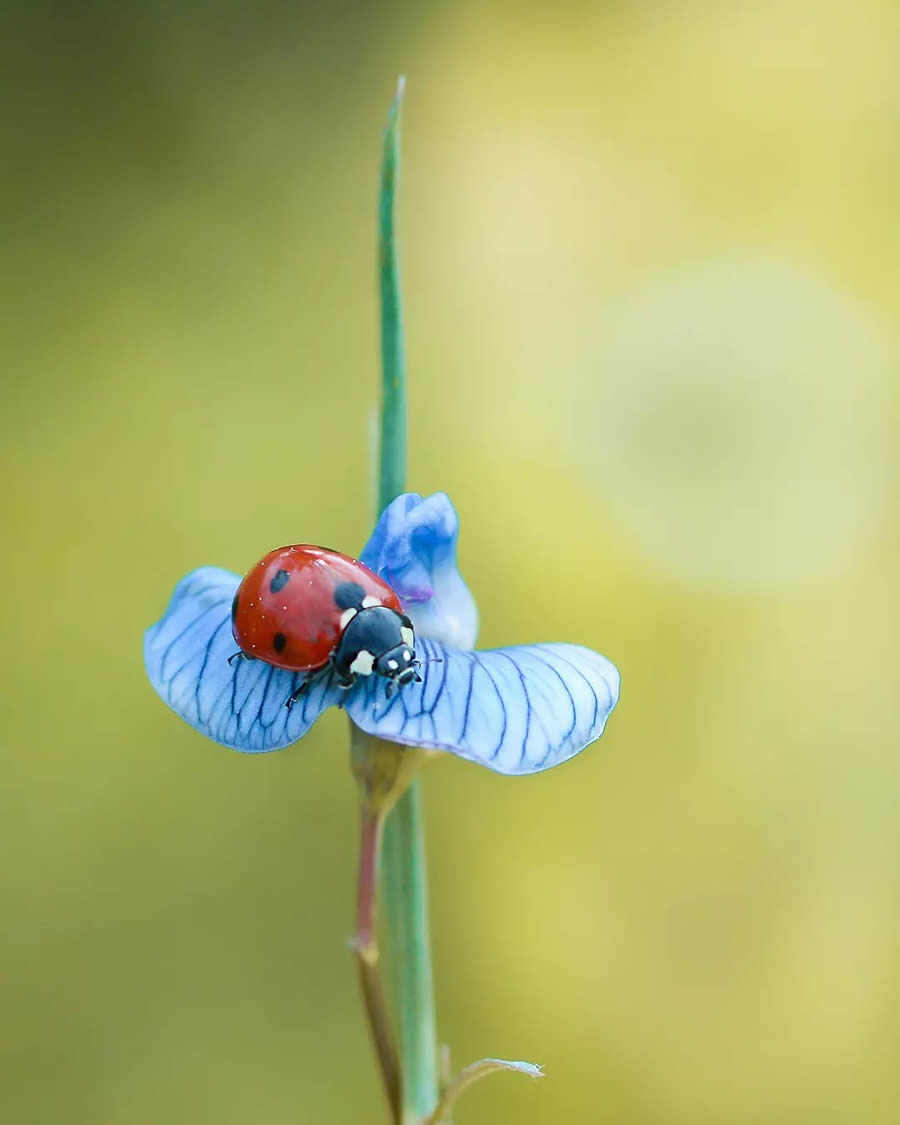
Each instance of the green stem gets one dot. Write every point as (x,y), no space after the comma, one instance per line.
(405,885)
(403,878)
(392,475)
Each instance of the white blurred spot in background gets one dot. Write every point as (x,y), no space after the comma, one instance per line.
(734,416)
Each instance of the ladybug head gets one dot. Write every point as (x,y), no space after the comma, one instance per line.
(398,664)
(379,641)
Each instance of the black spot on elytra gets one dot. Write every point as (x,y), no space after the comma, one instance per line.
(234,606)
(349,595)
(279,582)
(279,642)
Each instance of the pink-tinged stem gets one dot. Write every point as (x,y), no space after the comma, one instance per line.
(369,846)
(366,949)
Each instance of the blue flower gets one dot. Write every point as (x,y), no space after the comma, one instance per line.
(516,710)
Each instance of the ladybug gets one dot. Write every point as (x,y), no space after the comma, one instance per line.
(309,609)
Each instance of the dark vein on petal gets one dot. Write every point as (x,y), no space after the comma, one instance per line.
(527,651)
(225,712)
(235,710)
(190,625)
(199,680)
(493,682)
(258,718)
(565,687)
(389,703)
(445,671)
(462,733)
(506,656)
(170,679)
(591,688)
(262,707)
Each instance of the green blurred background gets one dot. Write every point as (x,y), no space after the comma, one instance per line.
(650,258)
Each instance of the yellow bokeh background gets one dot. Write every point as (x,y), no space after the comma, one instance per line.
(650,261)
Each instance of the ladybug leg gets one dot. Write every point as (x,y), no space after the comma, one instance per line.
(343,677)
(297,692)
(344,680)
(240,655)
(307,683)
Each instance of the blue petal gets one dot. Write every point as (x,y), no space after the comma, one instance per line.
(413,548)
(516,710)
(240,705)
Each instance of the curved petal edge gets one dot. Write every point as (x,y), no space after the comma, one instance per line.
(240,705)
(515,710)
(413,548)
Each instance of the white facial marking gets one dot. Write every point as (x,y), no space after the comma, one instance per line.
(407,636)
(362,665)
(368,601)
(347,616)
(406,654)
(392,664)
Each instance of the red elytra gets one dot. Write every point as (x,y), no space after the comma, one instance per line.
(285,611)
